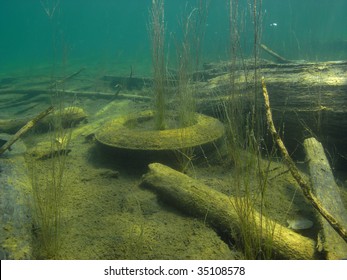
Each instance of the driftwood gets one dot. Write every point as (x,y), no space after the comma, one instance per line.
(305,186)
(81,93)
(24,129)
(129,83)
(69,116)
(294,87)
(326,190)
(16,232)
(304,96)
(195,198)
(65,79)
(277,57)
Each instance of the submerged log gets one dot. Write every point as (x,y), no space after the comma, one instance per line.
(304,185)
(29,125)
(306,98)
(15,200)
(326,190)
(68,116)
(308,86)
(276,56)
(197,199)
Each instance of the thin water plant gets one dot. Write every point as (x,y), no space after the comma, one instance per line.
(245,141)
(50,7)
(157,31)
(188,52)
(186,104)
(184,156)
(49,176)
(49,188)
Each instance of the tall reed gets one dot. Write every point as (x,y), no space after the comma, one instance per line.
(49,175)
(244,127)
(157,31)
(188,53)
(48,188)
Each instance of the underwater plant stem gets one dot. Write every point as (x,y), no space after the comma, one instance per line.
(158,60)
(25,128)
(305,186)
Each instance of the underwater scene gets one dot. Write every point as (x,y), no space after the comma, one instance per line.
(173,129)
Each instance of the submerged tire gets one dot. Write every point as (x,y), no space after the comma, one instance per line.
(123,133)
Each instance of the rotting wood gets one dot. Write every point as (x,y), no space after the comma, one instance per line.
(85,94)
(25,128)
(327,192)
(65,79)
(70,116)
(16,232)
(194,198)
(278,58)
(305,186)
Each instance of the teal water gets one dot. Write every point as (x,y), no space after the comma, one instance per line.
(110,38)
(115,32)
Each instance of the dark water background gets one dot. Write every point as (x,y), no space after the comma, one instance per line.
(108,33)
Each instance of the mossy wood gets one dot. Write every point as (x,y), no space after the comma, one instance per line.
(15,201)
(327,192)
(69,117)
(296,87)
(304,185)
(306,97)
(196,199)
(30,124)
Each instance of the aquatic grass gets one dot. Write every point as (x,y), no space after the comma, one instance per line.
(244,141)
(49,188)
(157,32)
(188,53)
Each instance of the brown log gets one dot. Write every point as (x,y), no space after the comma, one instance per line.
(197,199)
(327,192)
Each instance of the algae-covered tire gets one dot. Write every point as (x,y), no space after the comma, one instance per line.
(123,133)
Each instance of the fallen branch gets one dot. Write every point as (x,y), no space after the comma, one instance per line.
(24,129)
(278,58)
(305,186)
(63,80)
